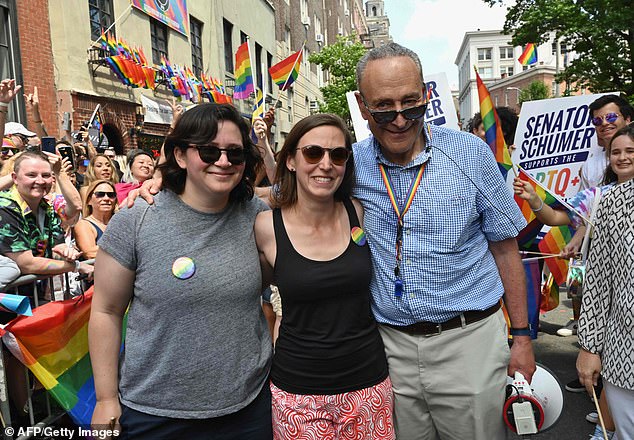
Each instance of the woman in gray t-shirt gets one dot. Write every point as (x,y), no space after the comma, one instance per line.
(197,349)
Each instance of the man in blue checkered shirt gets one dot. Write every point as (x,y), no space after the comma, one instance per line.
(440,271)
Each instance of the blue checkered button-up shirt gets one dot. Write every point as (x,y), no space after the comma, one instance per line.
(462,203)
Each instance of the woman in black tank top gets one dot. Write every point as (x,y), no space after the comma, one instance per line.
(329,372)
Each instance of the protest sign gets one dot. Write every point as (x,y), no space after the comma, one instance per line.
(553,140)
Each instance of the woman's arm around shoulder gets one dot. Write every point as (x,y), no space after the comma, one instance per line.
(265,240)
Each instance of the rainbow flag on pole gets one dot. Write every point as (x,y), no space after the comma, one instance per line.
(53,344)
(493,128)
(242,72)
(529,56)
(528,234)
(552,243)
(286,71)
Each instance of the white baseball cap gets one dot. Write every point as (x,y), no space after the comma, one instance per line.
(17,128)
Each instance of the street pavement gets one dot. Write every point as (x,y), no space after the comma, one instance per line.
(559,354)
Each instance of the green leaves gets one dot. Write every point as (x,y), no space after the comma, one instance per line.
(340,61)
(601,32)
(535,91)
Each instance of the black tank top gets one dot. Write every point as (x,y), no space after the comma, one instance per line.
(329,342)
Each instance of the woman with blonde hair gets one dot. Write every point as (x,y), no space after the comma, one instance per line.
(99,207)
(99,168)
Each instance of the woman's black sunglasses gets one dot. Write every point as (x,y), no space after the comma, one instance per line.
(314,153)
(387,116)
(102,194)
(211,154)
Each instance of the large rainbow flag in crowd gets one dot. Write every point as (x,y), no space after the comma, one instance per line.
(53,344)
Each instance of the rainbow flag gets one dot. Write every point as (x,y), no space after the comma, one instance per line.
(493,128)
(543,193)
(527,235)
(53,344)
(286,71)
(242,73)
(529,56)
(552,243)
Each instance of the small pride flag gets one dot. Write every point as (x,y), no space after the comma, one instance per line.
(529,56)
(286,71)
(553,242)
(242,72)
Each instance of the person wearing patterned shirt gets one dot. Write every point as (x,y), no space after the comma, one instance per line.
(606,324)
(31,231)
(441,225)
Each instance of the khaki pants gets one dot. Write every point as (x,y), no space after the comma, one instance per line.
(449,386)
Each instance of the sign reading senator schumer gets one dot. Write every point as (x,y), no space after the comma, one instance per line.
(553,139)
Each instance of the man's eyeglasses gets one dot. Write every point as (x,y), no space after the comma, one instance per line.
(387,116)
(102,194)
(609,117)
(211,154)
(314,153)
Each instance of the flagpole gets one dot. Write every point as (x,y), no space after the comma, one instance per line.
(263,67)
(110,27)
(301,51)
(253,80)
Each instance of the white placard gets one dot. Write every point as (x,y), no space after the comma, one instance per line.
(441,109)
(156,112)
(553,139)
(361,127)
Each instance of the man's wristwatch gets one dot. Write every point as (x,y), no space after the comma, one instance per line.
(523,331)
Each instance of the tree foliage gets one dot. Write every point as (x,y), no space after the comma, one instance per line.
(536,90)
(601,32)
(340,61)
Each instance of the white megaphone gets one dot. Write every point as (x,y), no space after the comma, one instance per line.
(535,407)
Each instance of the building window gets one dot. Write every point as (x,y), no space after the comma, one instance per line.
(100,13)
(258,66)
(484,54)
(196,31)
(485,72)
(158,33)
(508,70)
(289,103)
(243,37)
(506,53)
(563,48)
(303,10)
(227,30)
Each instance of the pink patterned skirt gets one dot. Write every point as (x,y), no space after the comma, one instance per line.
(360,415)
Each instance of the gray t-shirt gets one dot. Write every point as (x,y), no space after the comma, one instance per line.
(196,347)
